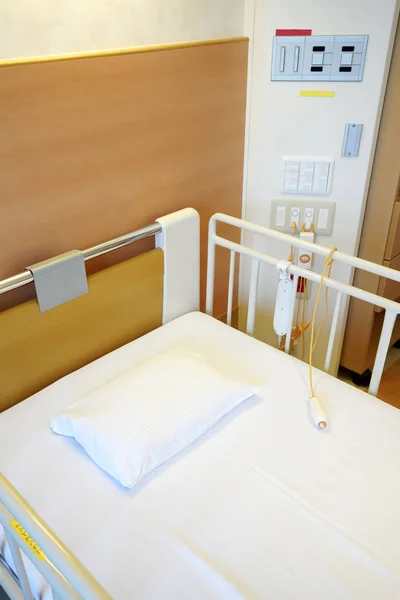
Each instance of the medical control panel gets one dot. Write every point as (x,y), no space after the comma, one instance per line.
(315,215)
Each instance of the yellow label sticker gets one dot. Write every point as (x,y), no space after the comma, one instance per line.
(316,94)
(27,539)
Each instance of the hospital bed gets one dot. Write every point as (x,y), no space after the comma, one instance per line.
(263,505)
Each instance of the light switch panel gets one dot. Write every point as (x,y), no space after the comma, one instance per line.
(308,176)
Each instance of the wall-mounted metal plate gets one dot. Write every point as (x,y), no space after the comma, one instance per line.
(287,58)
(318,54)
(352,140)
(319,58)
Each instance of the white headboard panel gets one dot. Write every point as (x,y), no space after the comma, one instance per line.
(180,240)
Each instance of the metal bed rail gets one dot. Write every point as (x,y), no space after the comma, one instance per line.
(67,577)
(342,289)
(16,281)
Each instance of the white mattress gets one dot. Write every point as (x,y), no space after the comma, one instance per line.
(264,506)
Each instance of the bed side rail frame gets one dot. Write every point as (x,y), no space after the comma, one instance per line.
(66,575)
(342,289)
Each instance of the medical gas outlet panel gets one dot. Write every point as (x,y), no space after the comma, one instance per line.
(319,58)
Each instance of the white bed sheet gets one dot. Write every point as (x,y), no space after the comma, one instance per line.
(263,506)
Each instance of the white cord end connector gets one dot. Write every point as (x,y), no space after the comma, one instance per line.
(317,413)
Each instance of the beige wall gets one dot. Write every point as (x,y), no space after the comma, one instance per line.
(48,27)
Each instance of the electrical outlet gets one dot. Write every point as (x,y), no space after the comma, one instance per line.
(319,212)
(309,212)
(295,216)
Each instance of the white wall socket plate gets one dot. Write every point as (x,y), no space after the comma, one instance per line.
(284,212)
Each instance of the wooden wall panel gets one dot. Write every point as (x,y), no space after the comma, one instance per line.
(123,303)
(96,147)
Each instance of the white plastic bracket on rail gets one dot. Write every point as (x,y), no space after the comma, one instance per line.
(180,240)
(282,267)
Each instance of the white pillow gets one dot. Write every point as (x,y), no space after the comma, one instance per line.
(134,423)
